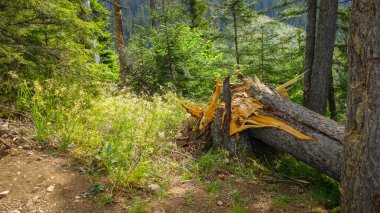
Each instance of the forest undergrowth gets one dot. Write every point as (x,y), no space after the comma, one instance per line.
(129,140)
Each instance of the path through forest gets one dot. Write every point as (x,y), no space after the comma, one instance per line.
(45,180)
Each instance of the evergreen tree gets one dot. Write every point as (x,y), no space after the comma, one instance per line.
(50,39)
(237,13)
(197,10)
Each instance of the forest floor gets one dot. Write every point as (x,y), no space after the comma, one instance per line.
(45,180)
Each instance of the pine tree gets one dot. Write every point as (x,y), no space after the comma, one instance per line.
(197,10)
(237,13)
(50,39)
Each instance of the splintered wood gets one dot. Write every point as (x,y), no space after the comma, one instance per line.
(246,111)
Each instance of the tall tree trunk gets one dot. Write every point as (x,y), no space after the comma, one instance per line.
(361,168)
(262,52)
(153,11)
(236,37)
(309,50)
(120,39)
(323,57)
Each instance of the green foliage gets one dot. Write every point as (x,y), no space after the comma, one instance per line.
(50,39)
(238,208)
(124,134)
(323,189)
(270,50)
(214,187)
(196,10)
(211,162)
(137,207)
(176,56)
(284,201)
(340,66)
(238,203)
(95,189)
(218,160)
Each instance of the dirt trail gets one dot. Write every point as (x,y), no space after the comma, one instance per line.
(37,180)
(46,181)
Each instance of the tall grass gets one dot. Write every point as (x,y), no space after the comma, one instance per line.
(125,135)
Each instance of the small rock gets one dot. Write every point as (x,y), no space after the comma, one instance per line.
(32,201)
(77,199)
(221,176)
(35,189)
(207,182)
(50,188)
(4,194)
(220,203)
(154,187)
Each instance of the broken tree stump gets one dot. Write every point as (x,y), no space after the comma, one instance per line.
(250,112)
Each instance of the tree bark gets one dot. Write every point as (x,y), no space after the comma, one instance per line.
(309,49)
(120,39)
(325,155)
(236,37)
(323,57)
(361,167)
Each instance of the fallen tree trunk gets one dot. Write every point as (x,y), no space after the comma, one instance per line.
(325,155)
(251,114)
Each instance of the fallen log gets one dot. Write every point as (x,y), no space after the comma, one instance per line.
(251,113)
(325,155)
